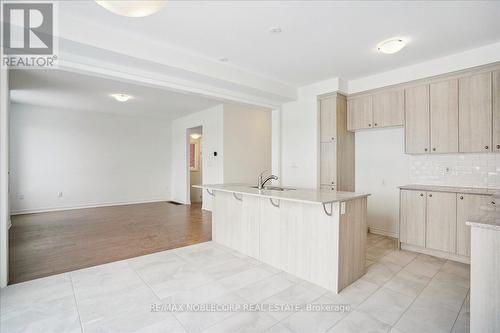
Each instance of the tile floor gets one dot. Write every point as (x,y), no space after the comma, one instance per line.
(401,292)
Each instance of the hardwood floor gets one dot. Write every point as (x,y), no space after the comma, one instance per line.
(45,244)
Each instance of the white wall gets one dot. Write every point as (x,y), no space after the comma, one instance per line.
(213,169)
(241,136)
(92,158)
(4,176)
(299,135)
(382,166)
(247,143)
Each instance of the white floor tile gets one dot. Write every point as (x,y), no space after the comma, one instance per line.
(266,288)
(243,322)
(427,318)
(314,322)
(359,322)
(57,315)
(118,297)
(386,305)
(136,320)
(36,291)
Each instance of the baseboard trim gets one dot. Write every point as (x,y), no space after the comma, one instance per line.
(435,253)
(383,232)
(107,204)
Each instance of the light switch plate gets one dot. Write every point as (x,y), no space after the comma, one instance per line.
(342,208)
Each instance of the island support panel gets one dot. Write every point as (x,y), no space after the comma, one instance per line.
(298,238)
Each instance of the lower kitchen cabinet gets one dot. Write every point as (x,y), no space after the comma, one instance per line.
(440,231)
(433,222)
(412,225)
(468,205)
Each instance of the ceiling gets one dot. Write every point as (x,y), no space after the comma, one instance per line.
(319,39)
(68,90)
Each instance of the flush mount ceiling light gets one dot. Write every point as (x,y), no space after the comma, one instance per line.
(121,97)
(195,136)
(392,45)
(132,8)
(275,30)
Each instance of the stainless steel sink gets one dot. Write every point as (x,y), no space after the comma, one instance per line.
(274,188)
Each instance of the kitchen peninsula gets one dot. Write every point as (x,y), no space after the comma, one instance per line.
(317,235)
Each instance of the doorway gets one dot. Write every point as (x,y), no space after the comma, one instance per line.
(195,165)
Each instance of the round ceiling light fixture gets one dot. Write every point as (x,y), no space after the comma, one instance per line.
(392,45)
(195,136)
(133,8)
(121,97)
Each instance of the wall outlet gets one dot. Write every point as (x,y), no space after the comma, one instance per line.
(60,194)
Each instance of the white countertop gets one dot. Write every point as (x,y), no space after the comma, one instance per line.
(451,189)
(299,195)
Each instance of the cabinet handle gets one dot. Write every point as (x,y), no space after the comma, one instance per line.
(461,198)
(369,125)
(376,124)
(421,194)
(425,149)
(498,146)
(493,202)
(486,147)
(430,195)
(433,149)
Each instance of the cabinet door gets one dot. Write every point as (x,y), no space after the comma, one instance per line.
(412,217)
(359,113)
(475,113)
(388,109)
(328,163)
(468,205)
(496,111)
(417,120)
(440,231)
(444,116)
(327,115)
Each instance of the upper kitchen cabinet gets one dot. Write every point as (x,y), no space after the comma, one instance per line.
(417,119)
(496,111)
(388,109)
(359,113)
(327,115)
(444,116)
(475,113)
(336,144)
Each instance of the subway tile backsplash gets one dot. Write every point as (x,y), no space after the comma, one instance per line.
(470,170)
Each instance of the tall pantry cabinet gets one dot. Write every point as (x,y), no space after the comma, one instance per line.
(336,144)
